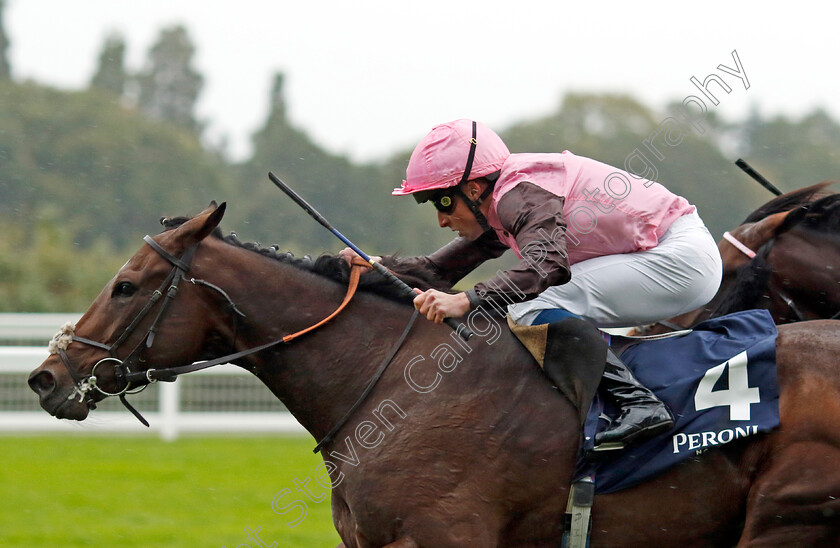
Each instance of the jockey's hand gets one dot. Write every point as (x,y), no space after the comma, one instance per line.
(347,254)
(437,305)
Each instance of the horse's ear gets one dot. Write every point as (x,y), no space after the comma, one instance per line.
(792,217)
(212,220)
(770,226)
(204,223)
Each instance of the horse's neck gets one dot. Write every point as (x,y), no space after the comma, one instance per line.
(319,375)
(322,374)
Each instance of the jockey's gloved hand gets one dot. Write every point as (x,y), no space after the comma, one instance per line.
(347,254)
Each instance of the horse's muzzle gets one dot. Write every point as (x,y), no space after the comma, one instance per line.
(56,400)
(42,383)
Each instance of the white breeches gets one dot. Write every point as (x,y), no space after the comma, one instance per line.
(682,273)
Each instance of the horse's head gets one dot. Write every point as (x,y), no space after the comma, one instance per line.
(796,266)
(750,235)
(805,256)
(137,310)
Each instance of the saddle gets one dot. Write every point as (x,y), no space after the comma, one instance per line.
(576,345)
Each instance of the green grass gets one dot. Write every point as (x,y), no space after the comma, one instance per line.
(143,492)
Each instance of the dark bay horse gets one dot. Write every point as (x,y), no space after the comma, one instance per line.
(784,257)
(460,443)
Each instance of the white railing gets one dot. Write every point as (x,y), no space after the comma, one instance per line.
(34,327)
(168,420)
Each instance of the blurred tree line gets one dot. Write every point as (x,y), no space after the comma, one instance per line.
(85,174)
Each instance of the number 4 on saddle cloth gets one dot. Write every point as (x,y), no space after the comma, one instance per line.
(719,381)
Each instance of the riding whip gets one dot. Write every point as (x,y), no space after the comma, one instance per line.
(407,291)
(757,176)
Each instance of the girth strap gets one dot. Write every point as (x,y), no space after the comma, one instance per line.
(578,521)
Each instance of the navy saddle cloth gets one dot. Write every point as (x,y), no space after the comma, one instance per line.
(719,382)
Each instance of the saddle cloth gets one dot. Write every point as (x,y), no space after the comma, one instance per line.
(719,381)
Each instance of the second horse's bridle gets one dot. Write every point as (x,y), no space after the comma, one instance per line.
(762,253)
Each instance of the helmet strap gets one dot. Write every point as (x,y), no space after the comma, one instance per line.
(474,205)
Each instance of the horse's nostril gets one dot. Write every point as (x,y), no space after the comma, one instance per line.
(42,382)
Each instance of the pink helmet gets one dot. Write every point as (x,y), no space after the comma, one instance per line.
(439,161)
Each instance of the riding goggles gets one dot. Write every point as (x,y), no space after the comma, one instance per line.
(444,201)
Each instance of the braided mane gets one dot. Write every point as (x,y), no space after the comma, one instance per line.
(329,266)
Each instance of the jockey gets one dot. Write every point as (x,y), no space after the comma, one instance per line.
(595,242)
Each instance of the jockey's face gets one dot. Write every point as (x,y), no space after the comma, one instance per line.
(460,219)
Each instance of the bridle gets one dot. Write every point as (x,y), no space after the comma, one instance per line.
(123,373)
(762,253)
(124,369)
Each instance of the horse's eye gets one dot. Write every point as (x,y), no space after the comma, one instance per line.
(123,289)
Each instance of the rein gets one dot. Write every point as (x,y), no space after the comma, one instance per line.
(84,386)
(170,373)
(376,376)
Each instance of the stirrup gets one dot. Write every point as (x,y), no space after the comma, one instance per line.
(609,446)
(647,432)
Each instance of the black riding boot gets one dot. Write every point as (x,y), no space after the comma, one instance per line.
(642,416)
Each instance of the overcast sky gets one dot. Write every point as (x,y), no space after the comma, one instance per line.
(367,78)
